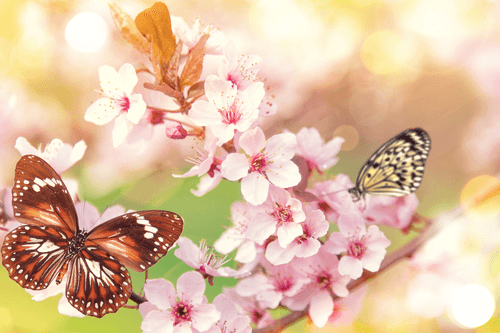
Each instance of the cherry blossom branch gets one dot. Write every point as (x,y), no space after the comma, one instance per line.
(407,251)
(138,299)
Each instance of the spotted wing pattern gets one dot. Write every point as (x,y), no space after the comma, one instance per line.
(98,284)
(140,239)
(39,197)
(34,255)
(396,168)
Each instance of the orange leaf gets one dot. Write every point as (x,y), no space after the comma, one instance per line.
(169,71)
(154,23)
(128,29)
(194,64)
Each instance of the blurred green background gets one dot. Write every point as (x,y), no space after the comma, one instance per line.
(361,69)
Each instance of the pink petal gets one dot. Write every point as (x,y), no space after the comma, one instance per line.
(288,232)
(351,224)
(278,255)
(219,92)
(145,308)
(321,308)
(261,227)
(203,113)
(350,266)
(254,188)
(158,322)
(281,147)
(253,285)
(191,287)
(283,175)
(207,184)
(120,130)
(307,248)
(235,167)
(337,243)
(127,78)
(376,239)
(339,286)
(246,253)
(160,293)
(372,259)
(204,316)
(228,241)
(188,252)
(224,132)
(252,141)
(137,108)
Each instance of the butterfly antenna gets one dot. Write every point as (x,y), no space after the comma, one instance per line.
(325,194)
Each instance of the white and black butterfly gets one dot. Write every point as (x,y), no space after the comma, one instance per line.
(51,244)
(396,168)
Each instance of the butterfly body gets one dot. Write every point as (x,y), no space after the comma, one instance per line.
(51,245)
(396,168)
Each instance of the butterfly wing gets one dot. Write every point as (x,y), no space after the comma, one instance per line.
(98,284)
(140,239)
(396,168)
(39,197)
(34,255)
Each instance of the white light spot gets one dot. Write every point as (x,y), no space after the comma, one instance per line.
(86,32)
(472,305)
(36,188)
(148,235)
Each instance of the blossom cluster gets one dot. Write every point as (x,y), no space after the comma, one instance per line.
(299,241)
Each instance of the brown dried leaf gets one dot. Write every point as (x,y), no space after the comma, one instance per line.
(196,91)
(154,23)
(194,64)
(128,29)
(169,71)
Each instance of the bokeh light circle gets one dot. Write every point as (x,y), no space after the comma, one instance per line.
(481,196)
(472,305)
(86,32)
(350,134)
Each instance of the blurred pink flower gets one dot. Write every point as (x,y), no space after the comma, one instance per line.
(333,198)
(118,103)
(61,156)
(269,162)
(204,260)
(180,311)
(270,288)
(227,110)
(322,271)
(319,156)
(281,214)
(256,310)
(365,248)
(396,212)
(191,36)
(230,320)
(303,246)
(345,310)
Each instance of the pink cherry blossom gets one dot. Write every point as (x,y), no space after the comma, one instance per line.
(205,260)
(270,288)
(319,156)
(118,103)
(345,310)
(303,246)
(333,198)
(227,110)
(268,162)
(241,71)
(61,156)
(364,248)
(181,311)
(249,306)
(396,212)
(207,165)
(322,271)
(281,214)
(235,236)
(230,320)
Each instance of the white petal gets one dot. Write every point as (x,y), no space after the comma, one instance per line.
(203,113)
(137,108)
(350,266)
(252,141)
(288,232)
(281,146)
(120,130)
(234,167)
(321,308)
(24,147)
(255,188)
(101,112)
(284,175)
(128,78)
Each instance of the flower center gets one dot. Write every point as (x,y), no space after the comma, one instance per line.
(182,312)
(282,284)
(258,163)
(324,280)
(231,115)
(282,214)
(124,104)
(356,249)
